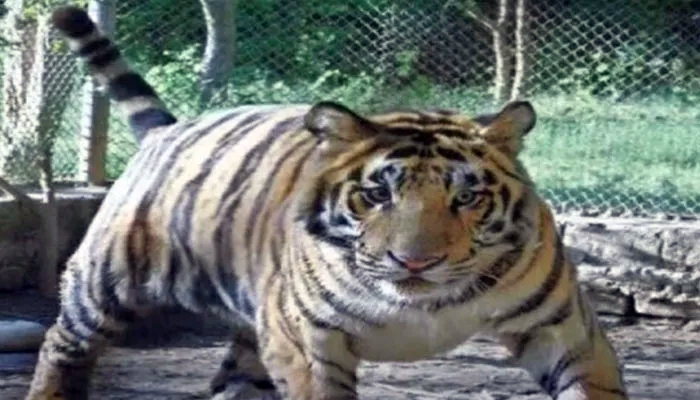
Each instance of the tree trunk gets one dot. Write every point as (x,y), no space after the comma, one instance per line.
(502,78)
(219,16)
(95,112)
(521,55)
(498,28)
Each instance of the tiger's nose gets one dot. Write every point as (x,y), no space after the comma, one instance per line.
(416,263)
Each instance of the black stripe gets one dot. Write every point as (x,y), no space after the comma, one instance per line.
(332,299)
(104,59)
(145,120)
(174,267)
(165,168)
(486,281)
(453,133)
(309,315)
(240,184)
(355,174)
(550,381)
(224,252)
(110,303)
(245,303)
(91,322)
(403,152)
(182,215)
(426,139)
(517,211)
(329,364)
(137,237)
(489,177)
(244,379)
(306,312)
(67,323)
(284,319)
(559,315)
(204,292)
(128,85)
(489,210)
(72,21)
(521,345)
(478,152)
(504,192)
(450,154)
(94,46)
(360,155)
(563,388)
(426,129)
(496,226)
(504,170)
(251,160)
(540,295)
(73,352)
(261,197)
(340,270)
(146,159)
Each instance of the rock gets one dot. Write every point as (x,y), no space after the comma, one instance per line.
(638,266)
(17,363)
(20,335)
(692,326)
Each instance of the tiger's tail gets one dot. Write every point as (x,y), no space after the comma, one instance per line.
(142,107)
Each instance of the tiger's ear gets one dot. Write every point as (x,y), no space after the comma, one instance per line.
(334,122)
(506,129)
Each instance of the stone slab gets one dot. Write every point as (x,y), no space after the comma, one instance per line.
(20,335)
(638,266)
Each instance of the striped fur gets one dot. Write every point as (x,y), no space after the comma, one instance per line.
(329,238)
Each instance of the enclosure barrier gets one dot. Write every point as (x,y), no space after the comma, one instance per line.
(616,83)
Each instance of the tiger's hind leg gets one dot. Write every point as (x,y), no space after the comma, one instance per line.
(242,375)
(90,318)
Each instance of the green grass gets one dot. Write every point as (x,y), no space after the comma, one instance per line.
(641,155)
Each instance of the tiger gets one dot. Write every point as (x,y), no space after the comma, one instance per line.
(325,237)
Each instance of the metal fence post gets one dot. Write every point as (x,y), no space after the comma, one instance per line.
(95,115)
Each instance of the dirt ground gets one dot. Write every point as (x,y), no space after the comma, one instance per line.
(661,361)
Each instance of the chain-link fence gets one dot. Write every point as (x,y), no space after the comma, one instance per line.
(616,83)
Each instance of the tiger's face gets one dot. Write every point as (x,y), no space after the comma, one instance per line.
(423,200)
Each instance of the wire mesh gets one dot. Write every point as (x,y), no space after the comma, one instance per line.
(616,83)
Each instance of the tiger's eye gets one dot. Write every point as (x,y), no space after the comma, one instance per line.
(377,194)
(465,198)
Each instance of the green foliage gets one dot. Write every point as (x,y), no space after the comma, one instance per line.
(178,75)
(572,154)
(34,8)
(628,70)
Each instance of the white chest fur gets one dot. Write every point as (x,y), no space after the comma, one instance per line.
(415,335)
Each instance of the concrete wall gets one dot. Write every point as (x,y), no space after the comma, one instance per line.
(629,266)
(19,233)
